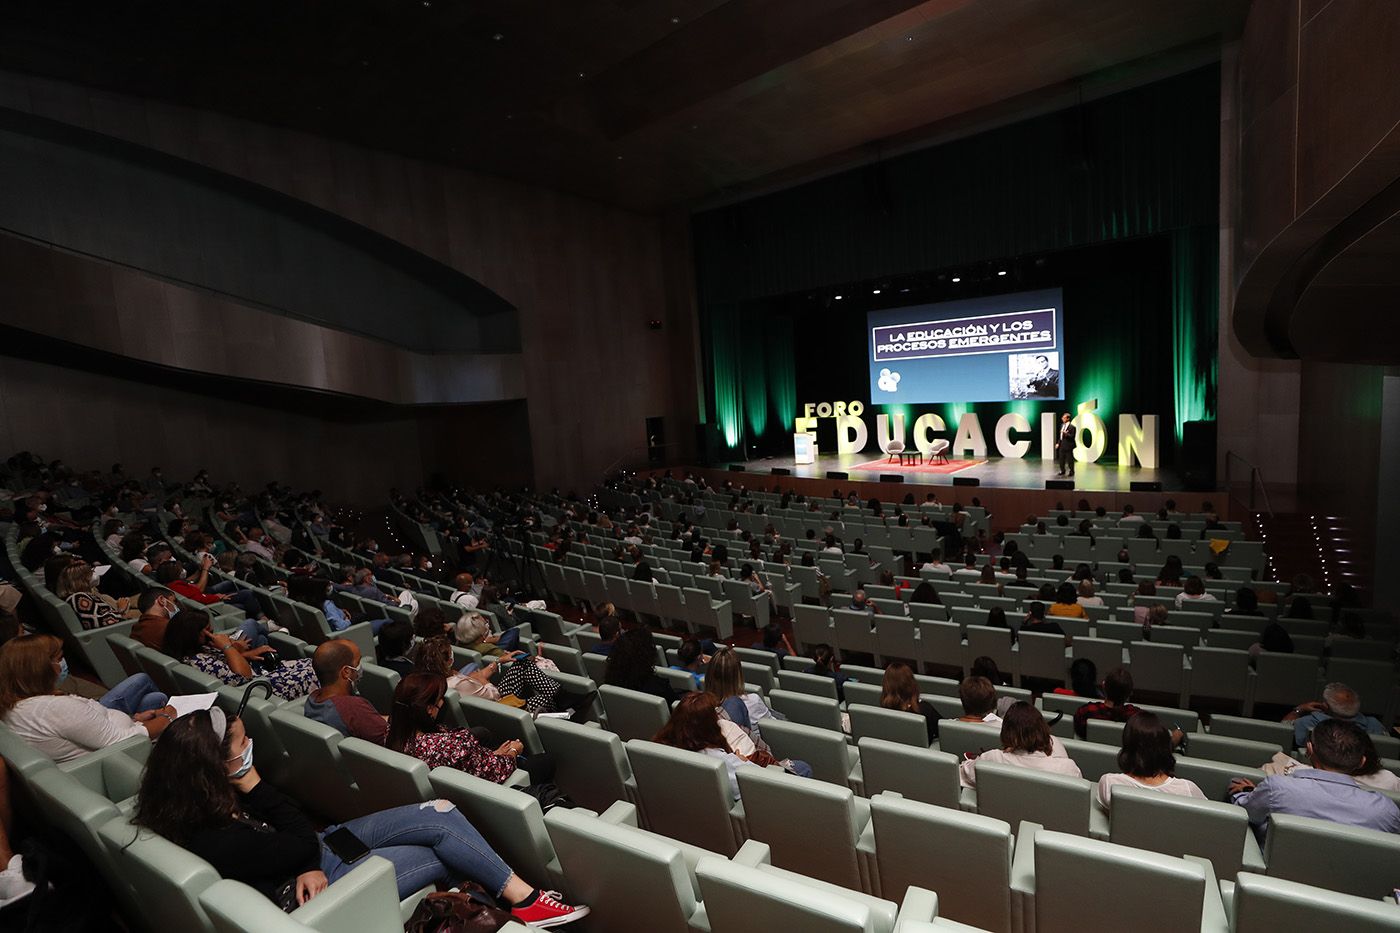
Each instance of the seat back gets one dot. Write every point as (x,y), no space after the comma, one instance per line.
(959,738)
(632,714)
(995,643)
(166,880)
(969,855)
(1283,678)
(1363,862)
(892,725)
(157,666)
(388,778)
(781,809)
(1272,905)
(78,813)
(684,795)
(505,722)
(621,874)
(921,774)
(1229,749)
(314,771)
(590,764)
(377,685)
(124,649)
(811,684)
(1133,889)
(1278,734)
(825,750)
(363,900)
(511,821)
(1213,777)
(739,900)
(819,712)
(1012,793)
(1175,825)
(1042,656)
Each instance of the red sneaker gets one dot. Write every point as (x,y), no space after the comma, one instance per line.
(548,910)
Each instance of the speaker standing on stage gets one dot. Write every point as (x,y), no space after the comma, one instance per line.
(1064,446)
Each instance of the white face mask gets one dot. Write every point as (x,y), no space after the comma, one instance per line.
(246,763)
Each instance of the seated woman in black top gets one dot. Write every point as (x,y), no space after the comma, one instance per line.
(824,664)
(900,691)
(201,791)
(631,665)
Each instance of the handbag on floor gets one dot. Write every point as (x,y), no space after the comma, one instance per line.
(470,910)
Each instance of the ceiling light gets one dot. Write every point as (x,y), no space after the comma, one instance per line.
(580,74)
(838,297)
(675,19)
(497,37)
(874,291)
(957,278)
(1001,272)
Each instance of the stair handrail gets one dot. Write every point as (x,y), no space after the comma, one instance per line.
(1256,478)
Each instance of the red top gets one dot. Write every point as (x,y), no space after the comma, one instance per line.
(187,590)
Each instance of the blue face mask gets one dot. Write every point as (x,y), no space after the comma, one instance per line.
(246,764)
(62,669)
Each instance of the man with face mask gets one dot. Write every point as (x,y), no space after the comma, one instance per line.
(338,703)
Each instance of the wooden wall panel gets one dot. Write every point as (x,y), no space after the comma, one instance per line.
(586,277)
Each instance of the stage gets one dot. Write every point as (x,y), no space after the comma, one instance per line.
(999,472)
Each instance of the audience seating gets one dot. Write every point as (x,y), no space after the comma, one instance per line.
(920,774)
(1363,862)
(686,796)
(1174,825)
(1055,801)
(631,714)
(833,760)
(1271,905)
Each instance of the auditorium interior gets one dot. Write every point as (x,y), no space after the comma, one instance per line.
(700,466)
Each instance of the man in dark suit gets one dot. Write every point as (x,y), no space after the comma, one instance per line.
(1064,446)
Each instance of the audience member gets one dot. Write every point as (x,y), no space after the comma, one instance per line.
(1146,760)
(825,664)
(1338,702)
(1117,689)
(1326,791)
(77,586)
(393,646)
(900,691)
(414,729)
(190,640)
(65,726)
(979,701)
(632,664)
(1193,591)
(609,628)
(1067,603)
(1026,742)
(338,703)
(201,790)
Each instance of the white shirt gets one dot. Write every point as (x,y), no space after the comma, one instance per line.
(1179,786)
(1054,763)
(1130,518)
(1203,598)
(938,568)
(67,727)
(258,548)
(465,599)
(1091,600)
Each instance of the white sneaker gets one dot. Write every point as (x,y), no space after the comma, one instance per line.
(274,627)
(13,886)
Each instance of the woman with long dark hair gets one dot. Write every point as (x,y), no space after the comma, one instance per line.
(190,639)
(632,664)
(414,730)
(201,791)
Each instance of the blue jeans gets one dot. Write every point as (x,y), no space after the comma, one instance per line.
(510,640)
(426,845)
(253,631)
(243,599)
(136,694)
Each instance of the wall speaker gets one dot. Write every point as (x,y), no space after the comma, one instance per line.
(966,481)
(780,471)
(1145,487)
(1196,458)
(1059,484)
(736,468)
(891,478)
(837,474)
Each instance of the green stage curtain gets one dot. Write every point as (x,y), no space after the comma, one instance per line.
(1195,321)
(782,371)
(726,371)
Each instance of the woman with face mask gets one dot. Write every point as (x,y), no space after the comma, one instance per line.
(201,790)
(190,640)
(65,726)
(77,586)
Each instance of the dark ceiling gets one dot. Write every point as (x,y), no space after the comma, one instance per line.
(639,102)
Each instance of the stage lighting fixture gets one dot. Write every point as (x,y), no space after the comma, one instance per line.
(874,291)
(957,278)
(1001,272)
(1145,487)
(966,481)
(1059,484)
(838,297)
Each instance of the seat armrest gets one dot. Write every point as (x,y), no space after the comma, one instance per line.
(753,854)
(1213,916)
(920,906)
(1023,859)
(621,813)
(518,778)
(360,894)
